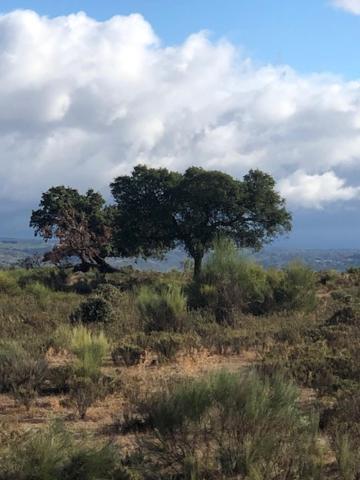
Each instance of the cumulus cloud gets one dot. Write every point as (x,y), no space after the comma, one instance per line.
(313,191)
(352,6)
(82,101)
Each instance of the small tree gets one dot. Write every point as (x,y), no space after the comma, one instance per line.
(81,224)
(158,209)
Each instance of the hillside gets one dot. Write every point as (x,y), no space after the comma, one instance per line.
(13,250)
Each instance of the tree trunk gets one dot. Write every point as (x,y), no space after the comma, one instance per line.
(197,266)
(103,266)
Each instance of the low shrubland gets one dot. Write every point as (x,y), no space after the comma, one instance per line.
(53,454)
(142,342)
(162,309)
(231,282)
(229,425)
(21,373)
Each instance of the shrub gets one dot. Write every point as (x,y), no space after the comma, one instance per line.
(9,353)
(37,455)
(229,282)
(57,381)
(344,316)
(84,391)
(92,310)
(53,454)
(90,350)
(96,463)
(86,385)
(8,283)
(127,354)
(20,373)
(61,338)
(232,426)
(108,292)
(163,309)
(347,457)
(296,291)
(38,290)
(165,344)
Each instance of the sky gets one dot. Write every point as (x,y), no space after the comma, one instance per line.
(89,89)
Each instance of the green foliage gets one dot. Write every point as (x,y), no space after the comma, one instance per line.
(233,425)
(156,209)
(163,309)
(61,338)
(166,344)
(53,454)
(296,291)
(230,282)
(21,374)
(38,455)
(90,350)
(108,292)
(93,310)
(94,464)
(170,410)
(86,385)
(143,224)
(39,291)
(347,457)
(80,223)
(8,284)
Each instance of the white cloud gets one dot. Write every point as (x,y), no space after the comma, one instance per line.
(82,101)
(313,191)
(352,6)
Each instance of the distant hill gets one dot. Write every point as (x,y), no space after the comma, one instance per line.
(14,250)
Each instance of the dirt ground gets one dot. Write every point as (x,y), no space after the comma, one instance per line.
(133,381)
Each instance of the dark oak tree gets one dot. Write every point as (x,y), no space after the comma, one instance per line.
(158,209)
(80,224)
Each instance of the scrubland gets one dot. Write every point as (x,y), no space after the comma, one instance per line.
(245,373)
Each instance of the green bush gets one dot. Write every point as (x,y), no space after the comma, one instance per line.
(162,309)
(61,338)
(108,292)
(86,384)
(347,457)
(37,455)
(231,425)
(96,463)
(90,350)
(8,283)
(165,344)
(92,310)
(297,289)
(53,454)
(229,282)
(57,381)
(39,291)
(21,374)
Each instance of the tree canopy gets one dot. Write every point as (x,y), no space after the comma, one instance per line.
(158,209)
(81,225)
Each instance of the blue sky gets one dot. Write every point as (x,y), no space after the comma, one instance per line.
(307,34)
(274,84)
